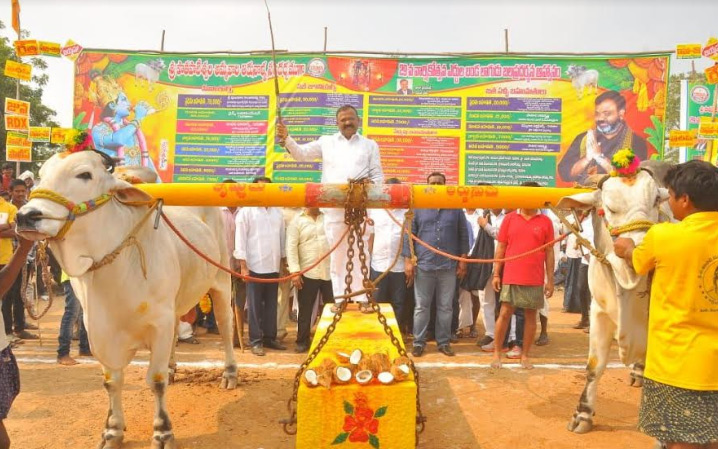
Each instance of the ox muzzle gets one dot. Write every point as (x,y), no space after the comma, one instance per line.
(27,219)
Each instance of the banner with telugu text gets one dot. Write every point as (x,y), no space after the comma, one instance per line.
(700,107)
(497,119)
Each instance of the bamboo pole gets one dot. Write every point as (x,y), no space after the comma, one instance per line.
(387,196)
(382,53)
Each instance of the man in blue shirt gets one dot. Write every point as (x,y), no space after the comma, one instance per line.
(435,276)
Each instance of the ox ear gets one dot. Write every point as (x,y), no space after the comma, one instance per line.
(582,201)
(663,194)
(126,193)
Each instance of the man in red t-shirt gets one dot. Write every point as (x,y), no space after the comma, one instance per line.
(523,278)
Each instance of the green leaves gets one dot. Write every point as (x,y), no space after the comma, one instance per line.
(348,408)
(656,135)
(342,437)
(374,441)
(381,411)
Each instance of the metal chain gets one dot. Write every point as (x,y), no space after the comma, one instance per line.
(42,269)
(290,424)
(359,226)
(355,218)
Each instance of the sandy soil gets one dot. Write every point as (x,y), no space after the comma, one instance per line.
(467,406)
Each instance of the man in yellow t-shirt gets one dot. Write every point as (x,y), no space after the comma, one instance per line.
(679,404)
(7,233)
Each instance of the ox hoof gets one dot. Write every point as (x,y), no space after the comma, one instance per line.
(229,381)
(636,380)
(163,441)
(580,426)
(110,441)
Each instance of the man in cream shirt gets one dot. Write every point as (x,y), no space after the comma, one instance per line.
(306,243)
(346,155)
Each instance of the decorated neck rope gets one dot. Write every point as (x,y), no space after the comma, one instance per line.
(75,141)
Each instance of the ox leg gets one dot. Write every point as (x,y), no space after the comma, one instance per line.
(157,379)
(637,374)
(172,366)
(221,300)
(600,339)
(114,431)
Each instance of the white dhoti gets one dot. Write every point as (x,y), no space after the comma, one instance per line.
(184,330)
(487,298)
(334,227)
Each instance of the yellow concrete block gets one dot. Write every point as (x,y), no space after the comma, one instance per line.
(353,415)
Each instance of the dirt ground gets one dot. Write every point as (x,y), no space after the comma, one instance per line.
(467,405)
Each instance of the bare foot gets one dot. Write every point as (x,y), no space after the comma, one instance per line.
(67,360)
(496,363)
(525,364)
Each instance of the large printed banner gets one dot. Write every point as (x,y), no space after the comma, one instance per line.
(497,119)
(700,109)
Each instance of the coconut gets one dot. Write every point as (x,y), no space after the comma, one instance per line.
(356,357)
(343,357)
(402,361)
(342,375)
(381,362)
(327,365)
(385,377)
(400,372)
(364,377)
(365,364)
(325,378)
(310,378)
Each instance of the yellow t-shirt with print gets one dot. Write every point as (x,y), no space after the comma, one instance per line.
(683,316)
(7,215)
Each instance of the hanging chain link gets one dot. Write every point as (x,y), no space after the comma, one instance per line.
(42,268)
(355,217)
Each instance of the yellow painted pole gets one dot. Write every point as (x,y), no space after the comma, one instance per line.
(392,196)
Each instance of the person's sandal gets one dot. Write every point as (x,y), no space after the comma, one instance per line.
(190,340)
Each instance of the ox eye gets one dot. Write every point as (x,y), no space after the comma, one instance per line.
(86,175)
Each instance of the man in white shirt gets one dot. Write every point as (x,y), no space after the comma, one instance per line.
(490,221)
(259,249)
(385,241)
(584,294)
(346,155)
(306,243)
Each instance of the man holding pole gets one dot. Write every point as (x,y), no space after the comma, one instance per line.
(346,155)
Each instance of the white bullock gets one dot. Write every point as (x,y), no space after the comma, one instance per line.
(619,306)
(134,301)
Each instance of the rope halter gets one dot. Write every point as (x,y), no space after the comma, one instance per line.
(636,225)
(75,209)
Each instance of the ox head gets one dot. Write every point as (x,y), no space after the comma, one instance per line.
(622,200)
(71,184)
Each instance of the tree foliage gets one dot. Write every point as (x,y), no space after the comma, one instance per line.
(40,115)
